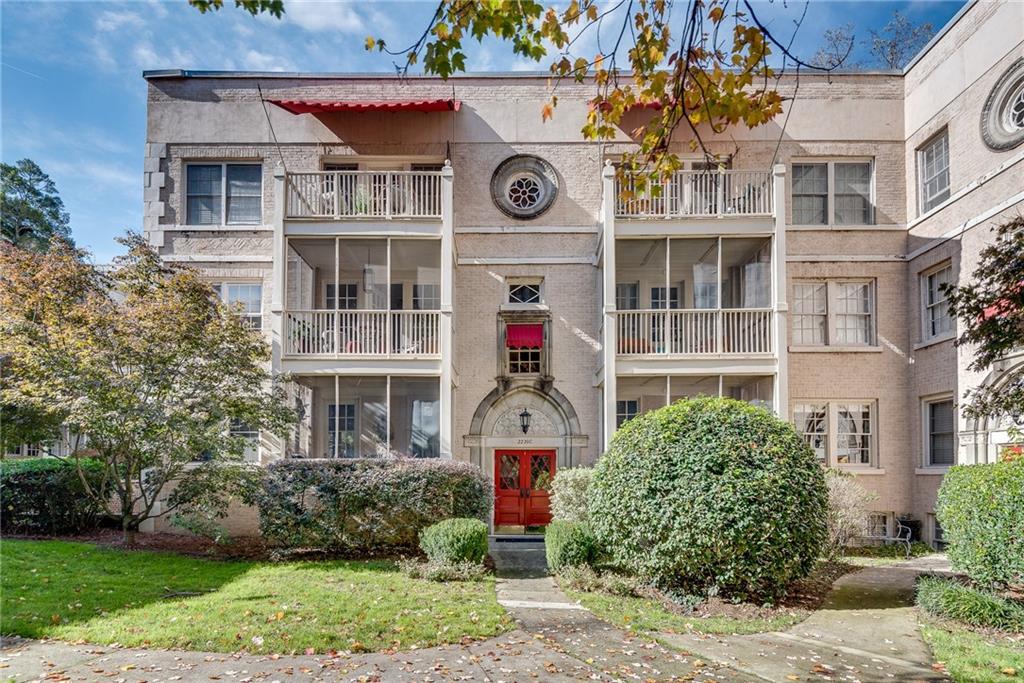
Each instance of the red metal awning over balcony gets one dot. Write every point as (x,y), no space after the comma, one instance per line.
(524,336)
(360,106)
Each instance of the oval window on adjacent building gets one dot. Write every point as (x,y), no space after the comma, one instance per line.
(1002,118)
(524,186)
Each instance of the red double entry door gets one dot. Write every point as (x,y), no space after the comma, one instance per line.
(522,481)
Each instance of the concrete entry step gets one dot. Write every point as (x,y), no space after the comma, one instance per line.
(520,555)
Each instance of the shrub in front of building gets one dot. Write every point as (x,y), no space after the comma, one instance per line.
(453,541)
(981,510)
(569,544)
(365,505)
(951,599)
(45,496)
(570,490)
(711,496)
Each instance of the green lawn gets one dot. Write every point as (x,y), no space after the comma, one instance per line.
(74,591)
(648,615)
(971,657)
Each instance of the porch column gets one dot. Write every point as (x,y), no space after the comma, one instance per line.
(609,328)
(779,287)
(277,298)
(447,287)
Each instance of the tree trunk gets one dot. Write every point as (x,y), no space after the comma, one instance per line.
(129,533)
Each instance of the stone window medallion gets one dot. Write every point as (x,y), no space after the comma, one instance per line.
(524,186)
(1002,117)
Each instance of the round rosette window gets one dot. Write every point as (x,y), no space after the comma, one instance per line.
(524,186)
(1002,118)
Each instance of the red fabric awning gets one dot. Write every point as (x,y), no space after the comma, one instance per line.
(327,106)
(524,336)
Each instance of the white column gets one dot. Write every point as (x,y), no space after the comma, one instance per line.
(779,288)
(447,288)
(609,337)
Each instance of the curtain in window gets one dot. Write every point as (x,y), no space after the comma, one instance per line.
(705,285)
(853,194)
(203,194)
(810,194)
(940,433)
(244,193)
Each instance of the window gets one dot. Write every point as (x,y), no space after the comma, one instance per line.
(834,313)
(938,536)
(812,423)
(341,430)
(935,315)
(933,171)
(524,344)
(524,292)
(840,432)
(627,296)
(876,525)
(939,433)
(853,434)
(251,435)
(832,193)
(348,296)
(625,411)
(223,194)
(426,297)
(248,295)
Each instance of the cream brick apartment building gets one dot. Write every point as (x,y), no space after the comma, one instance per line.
(444,275)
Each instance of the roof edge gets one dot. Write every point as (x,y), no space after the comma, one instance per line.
(939,35)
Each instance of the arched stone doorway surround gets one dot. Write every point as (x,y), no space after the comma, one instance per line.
(983,437)
(554,425)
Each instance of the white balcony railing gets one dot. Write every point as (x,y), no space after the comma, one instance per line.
(362,333)
(381,195)
(694,332)
(697,193)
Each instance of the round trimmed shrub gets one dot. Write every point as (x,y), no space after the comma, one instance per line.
(454,541)
(570,490)
(711,496)
(569,544)
(981,509)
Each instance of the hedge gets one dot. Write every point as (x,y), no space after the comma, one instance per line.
(569,544)
(570,490)
(454,541)
(951,599)
(981,509)
(45,496)
(357,505)
(711,495)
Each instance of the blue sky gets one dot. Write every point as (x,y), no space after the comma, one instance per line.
(73,97)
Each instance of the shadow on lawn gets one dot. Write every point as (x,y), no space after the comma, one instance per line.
(48,584)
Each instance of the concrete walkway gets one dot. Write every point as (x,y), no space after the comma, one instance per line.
(866,631)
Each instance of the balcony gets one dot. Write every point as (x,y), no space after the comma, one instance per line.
(698,194)
(694,332)
(362,195)
(350,334)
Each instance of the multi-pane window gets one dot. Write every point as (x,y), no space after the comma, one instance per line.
(939,446)
(223,194)
(524,361)
(627,296)
(341,430)
(840,432)
(248,296)
(811,421)
(626,411)
(251,435)
(938,536)
(832,193)
(933,171)
(524,293)
(810,313)
(347,299)
(833,312)
(853,434)
(426,297)
(659,300)
(877,525)
(936,320)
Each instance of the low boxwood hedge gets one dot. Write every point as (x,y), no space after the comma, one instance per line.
(569,544)
(454,541)
(45,496)
(981,509)
(952,599)
(356,505)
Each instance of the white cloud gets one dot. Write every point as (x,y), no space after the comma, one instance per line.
(111,21)
(145,55)
(318,15)
(254,60)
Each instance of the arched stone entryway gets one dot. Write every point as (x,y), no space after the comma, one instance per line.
(982,439)
(554,425)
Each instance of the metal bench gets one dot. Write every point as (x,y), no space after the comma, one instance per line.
(900,534)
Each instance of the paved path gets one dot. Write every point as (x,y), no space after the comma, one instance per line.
(866,631)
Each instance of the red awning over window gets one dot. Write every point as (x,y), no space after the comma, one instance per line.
(327,106)
(524,336)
